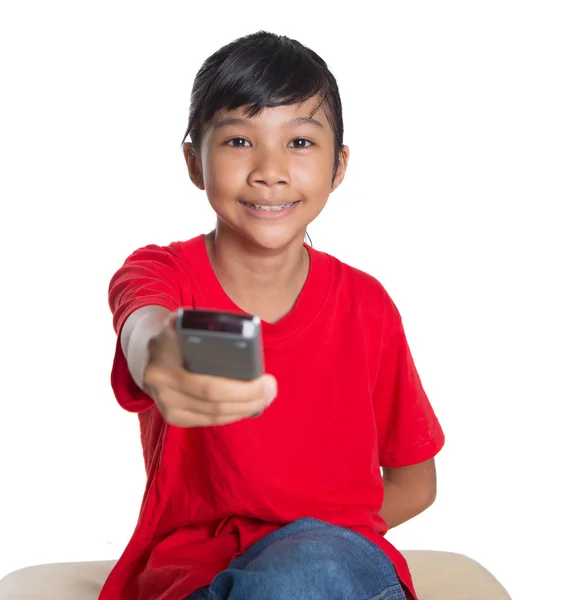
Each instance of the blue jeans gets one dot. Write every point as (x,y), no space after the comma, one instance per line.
(307,560)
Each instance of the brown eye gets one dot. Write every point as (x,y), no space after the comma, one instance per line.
(237,143)
(301,143)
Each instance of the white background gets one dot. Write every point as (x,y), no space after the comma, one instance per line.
(464,196)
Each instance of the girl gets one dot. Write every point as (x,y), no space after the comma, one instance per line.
(291,504)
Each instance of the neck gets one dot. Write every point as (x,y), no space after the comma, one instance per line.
(261,281)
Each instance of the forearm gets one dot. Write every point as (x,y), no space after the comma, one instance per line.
(402,503)
(140,327)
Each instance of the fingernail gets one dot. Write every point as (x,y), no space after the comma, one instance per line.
(270,390)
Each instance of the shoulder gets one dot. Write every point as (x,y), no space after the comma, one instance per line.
(154,265)
(175,255)
(179,250)
(364,291)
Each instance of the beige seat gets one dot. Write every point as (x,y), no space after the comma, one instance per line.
(437,576)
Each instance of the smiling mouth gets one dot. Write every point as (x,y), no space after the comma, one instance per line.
(267,207)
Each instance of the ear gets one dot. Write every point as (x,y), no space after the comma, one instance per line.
(341,168)
(193,165)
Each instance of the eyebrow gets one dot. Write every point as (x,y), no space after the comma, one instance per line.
(229,121)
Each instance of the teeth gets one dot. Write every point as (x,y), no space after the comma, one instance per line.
(269,208)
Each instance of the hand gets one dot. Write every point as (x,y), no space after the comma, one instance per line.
(187,399)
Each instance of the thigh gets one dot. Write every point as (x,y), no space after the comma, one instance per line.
(309,560)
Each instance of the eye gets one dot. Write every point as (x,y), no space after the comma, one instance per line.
(300,143)
(237,142)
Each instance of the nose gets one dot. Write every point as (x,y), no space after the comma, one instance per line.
(270,168)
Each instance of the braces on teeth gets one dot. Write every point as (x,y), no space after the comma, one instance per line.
(269,208)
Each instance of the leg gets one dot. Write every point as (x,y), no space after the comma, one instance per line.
(309,560)
(200,594)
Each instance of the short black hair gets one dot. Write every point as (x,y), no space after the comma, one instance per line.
(263,70)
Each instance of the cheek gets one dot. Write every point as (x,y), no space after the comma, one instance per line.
(314,176)
(222,175)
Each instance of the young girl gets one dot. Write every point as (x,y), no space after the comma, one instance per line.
(290,504)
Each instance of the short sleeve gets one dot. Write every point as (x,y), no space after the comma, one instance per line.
(408,429)
(149,276)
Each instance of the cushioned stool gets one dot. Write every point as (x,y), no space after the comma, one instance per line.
(437,576)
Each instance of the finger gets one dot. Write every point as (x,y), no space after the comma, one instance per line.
(227,410)
(221,389)
(188,419)
(178,409)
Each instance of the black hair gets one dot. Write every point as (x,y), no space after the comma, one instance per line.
(263,70)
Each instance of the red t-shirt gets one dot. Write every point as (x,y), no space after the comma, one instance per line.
(349,401)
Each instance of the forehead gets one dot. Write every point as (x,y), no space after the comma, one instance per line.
(289,114)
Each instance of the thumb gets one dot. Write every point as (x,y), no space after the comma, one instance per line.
(269,388)
(171,321)
(170,327)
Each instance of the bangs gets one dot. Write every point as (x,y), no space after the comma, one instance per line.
(256,79)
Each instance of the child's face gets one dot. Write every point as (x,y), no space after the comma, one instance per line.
(281,156)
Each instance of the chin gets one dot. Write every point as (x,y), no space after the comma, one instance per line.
(264,236)
(273,237)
